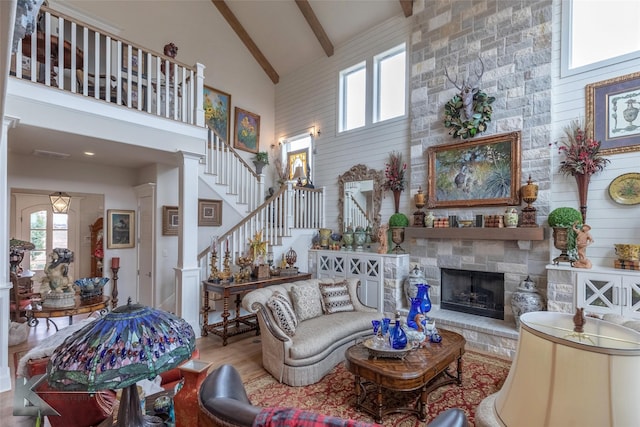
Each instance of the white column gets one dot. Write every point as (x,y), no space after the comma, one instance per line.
(5,284)
(199,96)
(187,271)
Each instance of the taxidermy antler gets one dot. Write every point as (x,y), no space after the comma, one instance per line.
(467,89)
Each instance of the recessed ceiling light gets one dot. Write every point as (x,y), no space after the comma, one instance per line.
(89,153)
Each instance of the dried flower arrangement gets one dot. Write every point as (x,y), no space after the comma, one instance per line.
(581,154)
(394,173)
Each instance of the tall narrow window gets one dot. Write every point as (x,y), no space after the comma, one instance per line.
(390,78)
(46,231)
(353,97)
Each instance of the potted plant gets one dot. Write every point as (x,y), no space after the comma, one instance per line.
(260,161)
(561,220)
(397,222)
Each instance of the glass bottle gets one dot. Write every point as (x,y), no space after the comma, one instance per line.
(423,295)
(398,338)
(413,312)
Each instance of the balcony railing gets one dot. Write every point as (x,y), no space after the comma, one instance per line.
(77,57)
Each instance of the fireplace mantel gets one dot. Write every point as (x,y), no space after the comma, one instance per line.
(524,235)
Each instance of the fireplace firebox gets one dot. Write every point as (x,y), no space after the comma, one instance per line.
(474,292)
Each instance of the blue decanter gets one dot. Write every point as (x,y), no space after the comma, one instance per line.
(398,338)
(415,309)
(423,295)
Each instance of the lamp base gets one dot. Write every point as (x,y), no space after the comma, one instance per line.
(130,412)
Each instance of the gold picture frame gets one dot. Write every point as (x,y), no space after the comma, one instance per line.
(170,220)
(121,227)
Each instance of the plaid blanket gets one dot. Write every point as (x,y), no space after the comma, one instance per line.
(291,417)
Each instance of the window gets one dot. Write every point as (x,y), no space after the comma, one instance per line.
(598,33)
(353,97)
(46,231)
(390,77)
(374,90)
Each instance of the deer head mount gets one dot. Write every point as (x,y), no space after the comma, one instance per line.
(467,89)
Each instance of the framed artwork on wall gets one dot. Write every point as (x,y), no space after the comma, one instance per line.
(209,213)
(482,172)
(295,159)
(121,226)
(247,130)
(217,112)
(612,113)
(170,220)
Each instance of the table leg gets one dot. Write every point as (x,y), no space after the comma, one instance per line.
(238,305)
(379,401)
(422,403)
(225,319)
(459,369)
(205,313)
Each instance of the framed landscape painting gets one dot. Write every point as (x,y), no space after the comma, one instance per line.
(482,172)
(217,112)
(247,130)
(121,226)
(612,113)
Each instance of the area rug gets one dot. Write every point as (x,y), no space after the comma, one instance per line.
(334,395)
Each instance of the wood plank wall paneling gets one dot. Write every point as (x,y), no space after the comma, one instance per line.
(611,223)
(310,97)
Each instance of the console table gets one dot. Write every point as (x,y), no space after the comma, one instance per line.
(240,323)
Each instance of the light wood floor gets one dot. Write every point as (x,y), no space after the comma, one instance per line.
(242,351)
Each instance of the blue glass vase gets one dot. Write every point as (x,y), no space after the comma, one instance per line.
(423,296)
(398,338)
(413,312)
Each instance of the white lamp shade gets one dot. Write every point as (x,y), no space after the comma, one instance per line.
(559,379)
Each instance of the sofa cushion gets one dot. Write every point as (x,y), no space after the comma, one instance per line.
(335,297)
(306,301)
(283,313)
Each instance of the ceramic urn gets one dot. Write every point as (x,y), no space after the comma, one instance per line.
(526,299)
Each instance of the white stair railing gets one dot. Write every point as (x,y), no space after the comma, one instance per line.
(289,208)
(73,56)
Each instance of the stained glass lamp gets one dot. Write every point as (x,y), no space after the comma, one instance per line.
(129,344)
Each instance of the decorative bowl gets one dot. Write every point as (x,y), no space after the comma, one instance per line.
(627,251)
(91,285)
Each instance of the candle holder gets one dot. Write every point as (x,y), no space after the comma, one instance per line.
(225,274)
(420,201)
(529,194)
(114,291)
(213,275)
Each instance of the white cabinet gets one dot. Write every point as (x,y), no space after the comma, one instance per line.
(605,293)
(376,272)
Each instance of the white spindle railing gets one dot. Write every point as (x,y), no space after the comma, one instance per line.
(291,207)
(97,64)
(231,170)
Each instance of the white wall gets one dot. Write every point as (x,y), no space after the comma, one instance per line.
(309,97)
(611,223)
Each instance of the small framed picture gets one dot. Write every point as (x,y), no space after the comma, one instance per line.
(170,221)
(247,131)
(121,226)
(209,213)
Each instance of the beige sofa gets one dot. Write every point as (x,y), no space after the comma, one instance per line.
(318,344)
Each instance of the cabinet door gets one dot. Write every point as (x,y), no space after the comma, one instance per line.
(631,296)
(331,266)
(599,293)
(369,270)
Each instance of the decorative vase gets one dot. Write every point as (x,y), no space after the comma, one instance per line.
(396,200)
(359,237)
(397,237)
(185,402)
(561,242)
(413,312)
(416,275)
(398,338)
(347,238)
(525,299)
(259,166)
(325,234)
(511,218)
(423,296)
(582,180)
(428,219)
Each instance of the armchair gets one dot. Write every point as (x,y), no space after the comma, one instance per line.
(22,296)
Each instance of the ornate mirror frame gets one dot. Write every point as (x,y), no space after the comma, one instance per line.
(362,173)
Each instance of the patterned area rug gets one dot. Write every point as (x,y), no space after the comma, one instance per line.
(334,394)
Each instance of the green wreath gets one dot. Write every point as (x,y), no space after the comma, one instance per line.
(481,115)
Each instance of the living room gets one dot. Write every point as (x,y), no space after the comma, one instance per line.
(523,71)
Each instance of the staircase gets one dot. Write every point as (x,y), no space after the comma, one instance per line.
(289,208)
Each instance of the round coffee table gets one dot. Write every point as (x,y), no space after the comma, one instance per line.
(423,369)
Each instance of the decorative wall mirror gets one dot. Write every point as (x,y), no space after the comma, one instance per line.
(360,197)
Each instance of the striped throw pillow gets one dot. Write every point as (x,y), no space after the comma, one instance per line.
(283,313)
(335,297)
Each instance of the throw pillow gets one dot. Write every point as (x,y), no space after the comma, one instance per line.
(283,313)
(306,301)
(335,297)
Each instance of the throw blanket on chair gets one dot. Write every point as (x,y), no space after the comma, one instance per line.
(291,417)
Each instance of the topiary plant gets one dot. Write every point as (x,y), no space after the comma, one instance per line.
(398,220)
(564,217)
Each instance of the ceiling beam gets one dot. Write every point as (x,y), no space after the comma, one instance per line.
(315,25)
(246,39)
(407,7)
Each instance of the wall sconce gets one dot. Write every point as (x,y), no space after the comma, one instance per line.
(314,131)
(60,202)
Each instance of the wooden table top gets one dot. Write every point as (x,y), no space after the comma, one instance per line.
(238,287)
(78,308)
(416,369)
